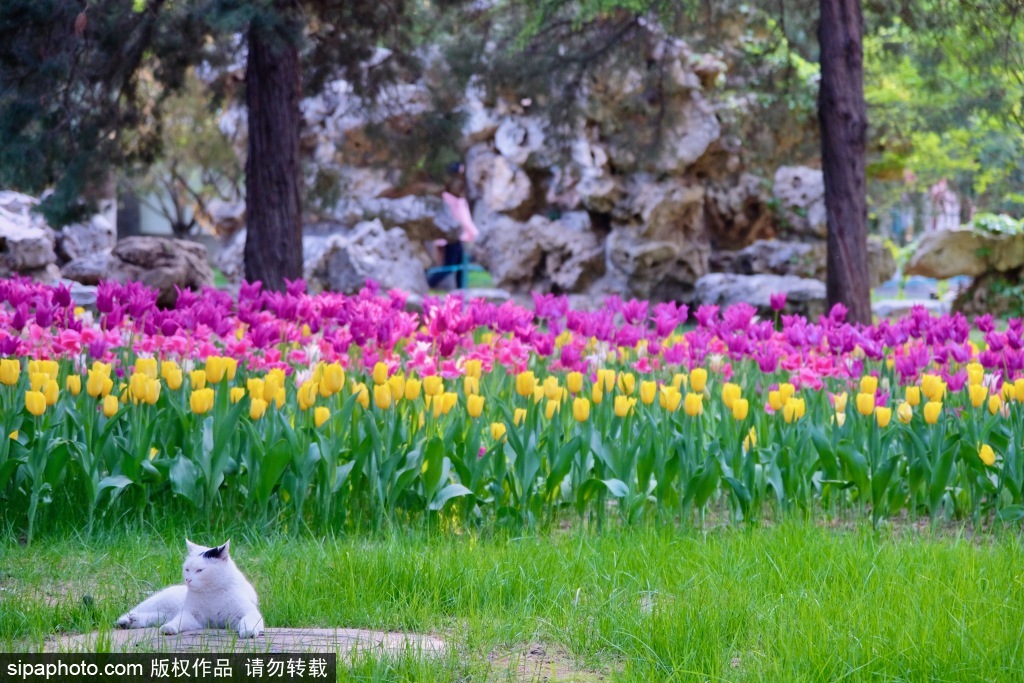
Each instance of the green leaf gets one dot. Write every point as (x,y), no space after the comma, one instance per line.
(617,487)
(447,493)
(433,467)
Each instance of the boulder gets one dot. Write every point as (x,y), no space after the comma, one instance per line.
(944,254)
(82,239)
(26,243)
(158,262)
(803,295)
(801,259)
(800,193)
(368,251)
(519,137)
(540,254)
(502,186)
(659,270)
(738,212)
(225,217)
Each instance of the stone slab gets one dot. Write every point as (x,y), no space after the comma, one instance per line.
(344,641)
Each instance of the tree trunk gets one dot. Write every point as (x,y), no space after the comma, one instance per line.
(844,122)
(273,208)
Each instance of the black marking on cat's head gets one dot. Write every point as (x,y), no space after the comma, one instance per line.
(218,553)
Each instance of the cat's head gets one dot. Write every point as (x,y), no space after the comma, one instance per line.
(204,567)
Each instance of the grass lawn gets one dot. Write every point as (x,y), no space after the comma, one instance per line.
(791,603)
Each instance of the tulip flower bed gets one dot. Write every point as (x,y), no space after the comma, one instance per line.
(331,410)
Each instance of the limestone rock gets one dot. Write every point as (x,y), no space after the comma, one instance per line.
(519,137)
(738,213)
(801,259)
(800,192)
(502,186)
(658,270)
(803,295)
(157,262)
(947,253)
(26,243)
(368,251)
(81,239)
(541,254)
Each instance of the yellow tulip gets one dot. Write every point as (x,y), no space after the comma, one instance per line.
(698,379)
(167,367)
(474,366)
(883,416)
(740,408)
(137,387)
(35,402)
(538,393)
(279,398)
(622,406)
(449,400)
(474,404)
(307,394)
(679,380)
(236,394)
(382,396)
(470,385)
(750,440)
(10,370)
(1018,389)
(775,400)
(110,405)
(786,391)
(257,407)
(73,383)
(146,366)
(868,384)
(525,383)
(975,373)
(272,382)
(932,410)
(648,391)
(597,393)
(552,391)
(13,436)
(397,384)
(551,408)
(580,409)
(932,387)
(46,367)
(978,394)
(905,413)
(412,389)
(201,400)
(791,410)
(693,404)
(913,396)
(1008,391)
(362,395)
(519,416)
(671,398)
(839,402)
(865,403)
(216,369)
(627,383)
(36,380)
(994,404)
(606,378)
(51,391)
(333,378)
(730,392)
(198,378)
(380,373)
(320,415)
(498,431)
(839,418)
(987,455)
(433,385)
(98,385)
(574,381)
(152,391)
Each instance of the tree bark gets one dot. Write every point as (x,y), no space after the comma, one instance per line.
(273,207)
(842,113)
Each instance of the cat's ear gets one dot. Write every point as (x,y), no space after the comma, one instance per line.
(192,547)
(218,553)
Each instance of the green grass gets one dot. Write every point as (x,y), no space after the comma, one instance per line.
(791,603)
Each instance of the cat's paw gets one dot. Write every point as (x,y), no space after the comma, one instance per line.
(126,621)
(247,632)
(169,629)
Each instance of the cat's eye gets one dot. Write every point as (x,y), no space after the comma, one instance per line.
(198,570)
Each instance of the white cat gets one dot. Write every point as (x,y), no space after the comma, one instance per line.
(215,595)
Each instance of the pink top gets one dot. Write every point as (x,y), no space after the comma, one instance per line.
(460,210)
